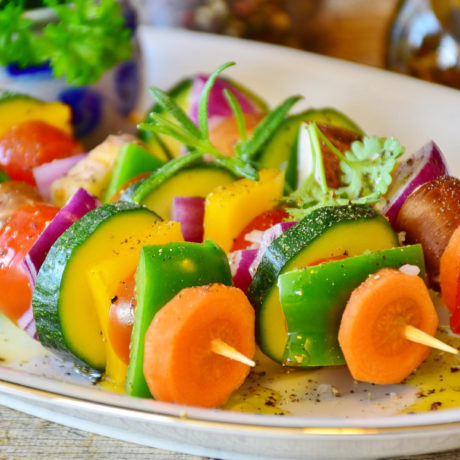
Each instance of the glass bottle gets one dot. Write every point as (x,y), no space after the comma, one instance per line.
(424,40)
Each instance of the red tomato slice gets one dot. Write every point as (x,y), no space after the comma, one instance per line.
(261,222)
(121,318)
(17,236)
(32,143)
(323,260)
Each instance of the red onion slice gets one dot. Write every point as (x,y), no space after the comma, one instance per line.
(27,323)
(268,237)
(426,164)
(189,211)
(218,105)
(47,173)
(81,203)
(240,261)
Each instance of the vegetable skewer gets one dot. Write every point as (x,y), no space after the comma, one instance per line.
(224,349)
(372,330)
(418,336)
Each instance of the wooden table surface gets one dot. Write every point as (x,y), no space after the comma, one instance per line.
(351,29)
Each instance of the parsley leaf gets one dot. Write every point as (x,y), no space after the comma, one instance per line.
(16,38)
(87,38)
(368,166)
(366,171)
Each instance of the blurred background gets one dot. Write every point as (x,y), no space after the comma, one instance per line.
(417,37)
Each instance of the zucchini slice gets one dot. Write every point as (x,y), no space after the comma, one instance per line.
(63,305)
(158,190)
(326,232)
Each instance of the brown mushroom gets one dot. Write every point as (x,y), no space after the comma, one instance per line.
(429,216)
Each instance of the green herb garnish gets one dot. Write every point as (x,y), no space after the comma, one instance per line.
(196,139)
(87,38)
(366,172)
(3,176)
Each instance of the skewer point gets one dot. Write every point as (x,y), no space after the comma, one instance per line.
(219,347)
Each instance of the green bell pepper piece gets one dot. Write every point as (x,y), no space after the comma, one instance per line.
(132,161)
(314,298)
(3,176)
(163,271)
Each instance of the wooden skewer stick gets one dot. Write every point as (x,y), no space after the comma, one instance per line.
(224,349)
(416,335)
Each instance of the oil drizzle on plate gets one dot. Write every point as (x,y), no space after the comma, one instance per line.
(437,379)
(273,389)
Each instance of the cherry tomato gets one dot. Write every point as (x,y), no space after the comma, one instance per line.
(17,236)
(261,222)
(32,143)
(121,318)
(323,260)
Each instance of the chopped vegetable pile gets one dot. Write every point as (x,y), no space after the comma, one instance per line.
(158,262)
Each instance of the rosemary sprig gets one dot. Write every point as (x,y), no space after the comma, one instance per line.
(196,139)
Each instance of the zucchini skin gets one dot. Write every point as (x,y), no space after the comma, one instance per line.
(45,299)
(293,240)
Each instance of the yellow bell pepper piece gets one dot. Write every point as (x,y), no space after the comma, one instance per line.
(20,109)
(229,209)
(104,279)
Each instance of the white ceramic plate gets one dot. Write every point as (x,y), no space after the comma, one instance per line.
(383,104)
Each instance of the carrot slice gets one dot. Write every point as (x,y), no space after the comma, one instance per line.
(450,271)
(371,332)
(179,364)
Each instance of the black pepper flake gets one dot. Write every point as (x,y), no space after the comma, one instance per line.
(114,299)
(454,369)
(436,405)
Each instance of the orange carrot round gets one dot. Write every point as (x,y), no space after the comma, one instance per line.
(179,364)
(450,271)
(371,333)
